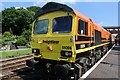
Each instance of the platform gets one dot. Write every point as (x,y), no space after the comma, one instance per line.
(109,68)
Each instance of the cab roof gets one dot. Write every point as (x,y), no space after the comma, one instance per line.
(52,6)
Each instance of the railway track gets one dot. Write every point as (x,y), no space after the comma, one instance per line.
(11,64)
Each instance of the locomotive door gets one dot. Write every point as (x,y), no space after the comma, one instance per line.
(97,37)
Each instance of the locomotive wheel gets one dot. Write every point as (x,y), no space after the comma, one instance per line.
(106,49)
(92,61)
(85,62)
(74,73)
(85,68)
(102,53)
(78,71)
(76,76)
(98,55)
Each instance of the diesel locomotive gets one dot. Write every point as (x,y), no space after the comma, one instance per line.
(65,43)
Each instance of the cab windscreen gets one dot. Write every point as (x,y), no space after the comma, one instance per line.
(41,27)
(62,24)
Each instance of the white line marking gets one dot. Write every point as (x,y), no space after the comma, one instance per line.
(91,69)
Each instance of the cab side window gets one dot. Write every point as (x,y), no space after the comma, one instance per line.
(82,27)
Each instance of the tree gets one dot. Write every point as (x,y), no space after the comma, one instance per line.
(34,8)
(8,18)
(23,22)
(0,22)
(18,22)
(16,19)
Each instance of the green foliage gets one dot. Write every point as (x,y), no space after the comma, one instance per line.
(7,36)
(21,41)
(27,34)
(0,22)
(28,45)
(0,43)
(8,18)
(3,42)
(34,8)
(26,37)
(17,20)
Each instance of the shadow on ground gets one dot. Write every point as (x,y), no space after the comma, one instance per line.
(117,48)
(27,74)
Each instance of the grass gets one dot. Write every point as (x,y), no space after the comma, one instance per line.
(15,53)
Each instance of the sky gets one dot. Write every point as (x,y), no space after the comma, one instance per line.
(103,12)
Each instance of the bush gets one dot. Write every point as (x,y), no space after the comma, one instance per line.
(4,43)
(7,36)
(28,45)
(21,41)
(27,34)
(0,44)
(24,39)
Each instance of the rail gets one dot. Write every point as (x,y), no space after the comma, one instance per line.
(8,65)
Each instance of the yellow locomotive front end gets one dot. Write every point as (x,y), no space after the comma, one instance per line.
(52,36)
(53,41)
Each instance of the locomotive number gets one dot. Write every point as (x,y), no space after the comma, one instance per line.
(66,47)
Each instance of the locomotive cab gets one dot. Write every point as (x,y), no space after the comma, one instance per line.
(53,36)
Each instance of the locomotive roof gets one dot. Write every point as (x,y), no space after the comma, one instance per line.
(52,6)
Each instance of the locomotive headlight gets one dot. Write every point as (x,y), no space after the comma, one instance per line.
(36,51)
(66,53)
